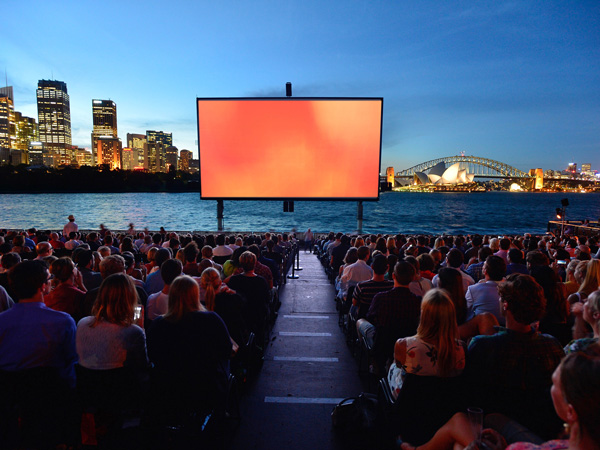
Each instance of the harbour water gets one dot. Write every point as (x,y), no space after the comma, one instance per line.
(395,212)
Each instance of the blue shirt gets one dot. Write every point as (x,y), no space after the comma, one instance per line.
(33,335)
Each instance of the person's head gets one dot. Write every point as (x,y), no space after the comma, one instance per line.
(220,239)
(523,297)
(476,241)
(591,311)
(413,262)
(116,300)
(426,262)
(581,271)
(438,325)
(483,253)
(108,240)
(28,277)
(351,256)
(247,261)
(364,252)
(576,392)
(537,258)
(184,297)
(112,264)
(570,270)
(43,249)
(104,251)
(210,281)
(515,256)
(207,252)
(170,270)
(162,255)
(451,281)
(18,240)
(495,244)
(591,282)
(10,260)
(455,258)
(504,244)
(404,273)
(494,267)
(436,254)
(379,264)
(62,269)
(84,258)
(71,218)
(54,236)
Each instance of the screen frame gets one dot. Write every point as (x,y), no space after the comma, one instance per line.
(376,198)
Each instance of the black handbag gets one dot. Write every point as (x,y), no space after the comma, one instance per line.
(355,414)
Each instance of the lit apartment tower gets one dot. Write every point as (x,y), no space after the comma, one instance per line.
(171,157)
(185,156)
(104,117)
(109,151)
(137,142)
(54,120)
(7,118)
(26,131)
(157,142)
(128,158)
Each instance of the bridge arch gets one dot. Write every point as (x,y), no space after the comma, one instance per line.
(474,164)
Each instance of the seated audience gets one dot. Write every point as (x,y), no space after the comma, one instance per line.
(158,302)
(366,290)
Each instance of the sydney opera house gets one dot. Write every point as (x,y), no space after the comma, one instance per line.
(439,175)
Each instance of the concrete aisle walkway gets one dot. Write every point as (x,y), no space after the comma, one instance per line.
(308,368)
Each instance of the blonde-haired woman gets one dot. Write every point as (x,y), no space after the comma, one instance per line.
(590,283)
(190,349)
(436,349)
(112,336)
(225,302)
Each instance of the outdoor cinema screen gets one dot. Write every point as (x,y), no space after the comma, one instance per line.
(290,148)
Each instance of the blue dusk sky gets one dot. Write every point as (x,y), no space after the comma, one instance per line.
(514,81)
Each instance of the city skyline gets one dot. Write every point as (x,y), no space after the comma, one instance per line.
(514,82)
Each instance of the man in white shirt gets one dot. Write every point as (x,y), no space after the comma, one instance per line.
(483,296)
(357,272)
(70,226)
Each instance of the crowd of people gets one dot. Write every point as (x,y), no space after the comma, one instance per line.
(162,318)
(171,315)
(496,315)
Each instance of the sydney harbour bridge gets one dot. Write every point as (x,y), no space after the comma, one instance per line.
(478,166)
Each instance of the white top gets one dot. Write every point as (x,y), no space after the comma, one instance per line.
(158,304)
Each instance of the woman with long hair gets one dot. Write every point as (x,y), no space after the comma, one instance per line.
(591,314)
(225,302)
(590,283)
(190,348)
(112,337)
(435,350)
(451,281)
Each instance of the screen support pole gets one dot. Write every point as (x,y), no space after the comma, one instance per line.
(359,215)
(220,209)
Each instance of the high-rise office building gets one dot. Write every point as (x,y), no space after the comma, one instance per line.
(27,131)
(171,157)
(159,136)
(7,119)
(157,142)
(185,156)
(109,152)
(54,120)
(127,158)
(36,154)
(104,117)
(137,143)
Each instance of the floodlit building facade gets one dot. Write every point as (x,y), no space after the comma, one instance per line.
(137,144)
(54,120)
(171,157)
(109,152)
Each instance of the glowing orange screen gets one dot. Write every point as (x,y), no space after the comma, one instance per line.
(289,148)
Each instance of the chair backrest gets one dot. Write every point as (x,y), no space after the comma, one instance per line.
(425,403)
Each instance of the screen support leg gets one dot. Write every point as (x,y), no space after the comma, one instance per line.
(359,215)
(220,209)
